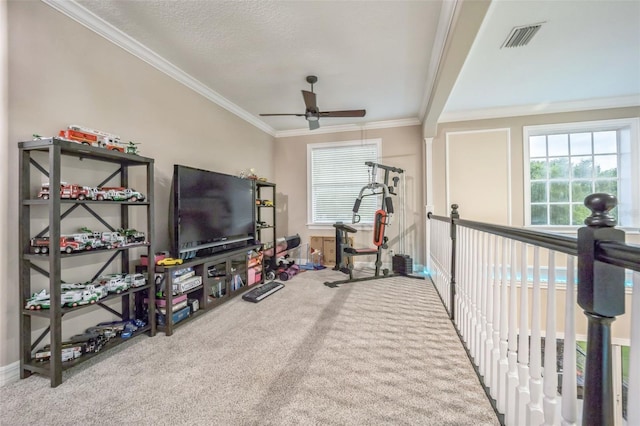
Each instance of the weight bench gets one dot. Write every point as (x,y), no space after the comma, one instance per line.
(345,252)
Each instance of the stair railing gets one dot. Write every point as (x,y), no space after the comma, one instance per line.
(497,301)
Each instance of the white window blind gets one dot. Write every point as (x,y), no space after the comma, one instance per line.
(337,173)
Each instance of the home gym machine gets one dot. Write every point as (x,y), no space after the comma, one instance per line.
(345,252)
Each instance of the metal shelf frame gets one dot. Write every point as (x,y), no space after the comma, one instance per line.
(266,234)
(131,301)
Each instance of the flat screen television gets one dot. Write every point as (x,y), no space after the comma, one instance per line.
(210,212)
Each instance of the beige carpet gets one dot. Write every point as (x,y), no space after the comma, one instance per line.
(366,353)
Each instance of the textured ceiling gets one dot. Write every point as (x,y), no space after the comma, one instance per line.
(253,56)
(256,54)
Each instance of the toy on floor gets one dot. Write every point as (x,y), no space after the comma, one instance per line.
(274,255)
(287,268)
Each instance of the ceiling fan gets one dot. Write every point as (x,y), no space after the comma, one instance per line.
(312,113)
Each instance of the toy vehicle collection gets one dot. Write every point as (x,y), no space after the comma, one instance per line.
(88,293)
(87,136)
(93,340)
(72,191)
(69,298)
(89,240)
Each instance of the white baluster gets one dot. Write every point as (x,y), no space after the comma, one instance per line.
(569,382)
(535,415)
(495,352)
(477,332)
(488,314)
(484,324)
(446,258)
(550,403)
(481,328)
(467,286)
(446,264)
(503,363)
(523,397)
(474,298)
(512,356)
(445,281)
(461,284)
(469,298)
(633,409)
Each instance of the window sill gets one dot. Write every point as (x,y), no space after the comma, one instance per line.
(359,226)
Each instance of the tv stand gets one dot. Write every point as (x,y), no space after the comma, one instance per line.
(224,276)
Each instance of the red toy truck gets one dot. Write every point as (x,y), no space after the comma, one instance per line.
(67,191)
(87,136)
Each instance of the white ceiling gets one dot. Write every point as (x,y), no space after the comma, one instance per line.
(586,54)
(252,57)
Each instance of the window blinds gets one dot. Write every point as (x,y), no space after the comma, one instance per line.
(338,173)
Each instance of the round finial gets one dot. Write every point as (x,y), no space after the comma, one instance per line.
(600,204)
(454,209)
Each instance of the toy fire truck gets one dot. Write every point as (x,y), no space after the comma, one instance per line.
(87,136)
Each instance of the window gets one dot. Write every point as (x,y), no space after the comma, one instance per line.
(566,162)
(336,174)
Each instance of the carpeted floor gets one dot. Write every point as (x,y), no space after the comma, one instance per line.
(365,353)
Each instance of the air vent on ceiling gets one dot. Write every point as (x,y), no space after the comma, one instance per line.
(521,36)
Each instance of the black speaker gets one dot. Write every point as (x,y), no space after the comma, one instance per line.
(402,264)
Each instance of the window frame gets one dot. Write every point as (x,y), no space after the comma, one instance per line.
(377,142)
(628,177)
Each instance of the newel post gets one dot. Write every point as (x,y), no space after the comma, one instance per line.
(601,295)
(454,215)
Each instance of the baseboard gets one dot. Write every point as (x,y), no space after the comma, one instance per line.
(9,373)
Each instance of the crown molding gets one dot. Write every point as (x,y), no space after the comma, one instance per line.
(96,24)
(349,128)
(542,108)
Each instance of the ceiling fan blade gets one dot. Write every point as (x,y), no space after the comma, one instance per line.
(273,115)
(314,124)
(310,100)
(348,113)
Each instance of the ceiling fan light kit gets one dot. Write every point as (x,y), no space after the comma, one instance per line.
(312,113)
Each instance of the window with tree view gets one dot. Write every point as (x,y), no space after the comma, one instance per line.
(568,162)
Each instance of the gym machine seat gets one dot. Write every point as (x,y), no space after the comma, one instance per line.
(345,250)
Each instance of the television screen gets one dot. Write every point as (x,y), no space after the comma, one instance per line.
(211,211)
